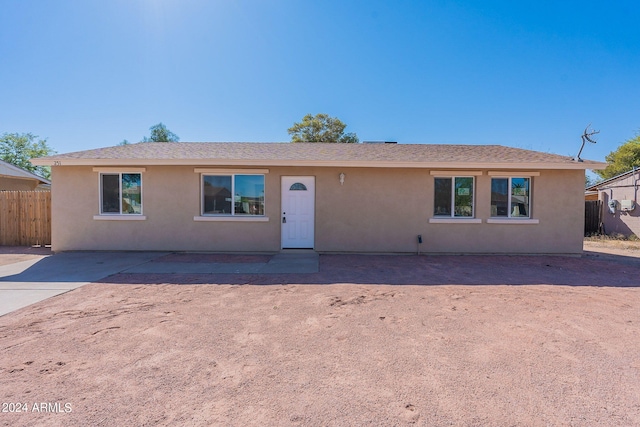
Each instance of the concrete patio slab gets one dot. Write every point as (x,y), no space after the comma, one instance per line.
(195,268)
(284,263)
(301,262)
(27,282)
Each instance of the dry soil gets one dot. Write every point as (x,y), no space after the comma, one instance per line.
(475,341)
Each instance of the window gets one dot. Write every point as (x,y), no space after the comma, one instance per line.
(453,197)
(121,193)
(510,197)
(233,195)
(298,186)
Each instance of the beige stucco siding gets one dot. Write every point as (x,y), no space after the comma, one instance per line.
(17,184)
(557,203)
(622,222)
(386,210)
(171,200)
(375,210)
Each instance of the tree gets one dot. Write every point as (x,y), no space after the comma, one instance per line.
(18,149)
(321,128)
(160,133)
(623,159)
(589,180)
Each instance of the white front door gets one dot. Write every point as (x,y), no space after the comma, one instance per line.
(298,211)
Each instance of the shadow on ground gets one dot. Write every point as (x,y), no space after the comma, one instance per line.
(593,269)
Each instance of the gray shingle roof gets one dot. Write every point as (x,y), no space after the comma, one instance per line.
(9,170)
(319,154)
(597,186)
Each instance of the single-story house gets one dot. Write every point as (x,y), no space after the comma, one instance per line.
(619,196)
(13,178)
(265,197)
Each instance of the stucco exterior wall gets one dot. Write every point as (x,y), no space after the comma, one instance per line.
(17,184)
(622,222)
(385,210)
(375,210)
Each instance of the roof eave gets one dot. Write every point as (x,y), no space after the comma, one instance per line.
(603,184)
(20,173)
(49,161)
(25,178)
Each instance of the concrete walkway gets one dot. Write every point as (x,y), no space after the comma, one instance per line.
(284,263)
(27,282)
(24,283)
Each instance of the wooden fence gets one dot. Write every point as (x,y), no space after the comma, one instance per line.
(593,217)
(25,218)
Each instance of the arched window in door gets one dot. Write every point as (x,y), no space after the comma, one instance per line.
(298,186)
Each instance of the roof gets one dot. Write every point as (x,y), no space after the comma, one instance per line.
(595,187)
(317,154)
(12,171)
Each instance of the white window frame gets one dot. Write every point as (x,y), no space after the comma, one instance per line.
(452,218)
(509,219)
(230,216)
(119,216)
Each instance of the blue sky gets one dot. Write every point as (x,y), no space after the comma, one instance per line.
(528,74)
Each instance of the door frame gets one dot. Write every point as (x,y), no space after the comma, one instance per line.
(292,179)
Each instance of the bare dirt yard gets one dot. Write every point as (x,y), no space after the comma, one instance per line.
(613,246)
(377,340)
